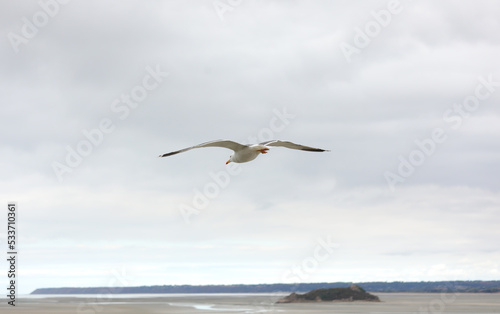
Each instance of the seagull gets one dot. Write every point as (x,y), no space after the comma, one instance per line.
(246,153)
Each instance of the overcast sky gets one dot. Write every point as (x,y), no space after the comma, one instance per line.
(405,94)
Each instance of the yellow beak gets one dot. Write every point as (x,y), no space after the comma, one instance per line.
(228,161)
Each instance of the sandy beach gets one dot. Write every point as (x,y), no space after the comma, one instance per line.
(241,303)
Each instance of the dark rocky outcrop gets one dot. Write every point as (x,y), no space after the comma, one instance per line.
(353,293)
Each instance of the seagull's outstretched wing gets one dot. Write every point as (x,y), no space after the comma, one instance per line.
(219,143)
(292,146)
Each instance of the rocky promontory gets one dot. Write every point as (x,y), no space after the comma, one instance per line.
(353,293)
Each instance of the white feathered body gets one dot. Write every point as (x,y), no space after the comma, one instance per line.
(247,154)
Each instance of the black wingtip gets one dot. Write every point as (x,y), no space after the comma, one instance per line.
(169,154)
(314,150)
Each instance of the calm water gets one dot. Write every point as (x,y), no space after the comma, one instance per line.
(251,303)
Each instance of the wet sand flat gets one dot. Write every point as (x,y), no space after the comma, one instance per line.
(218,304)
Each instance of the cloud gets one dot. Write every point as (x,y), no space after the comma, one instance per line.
(226,79)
